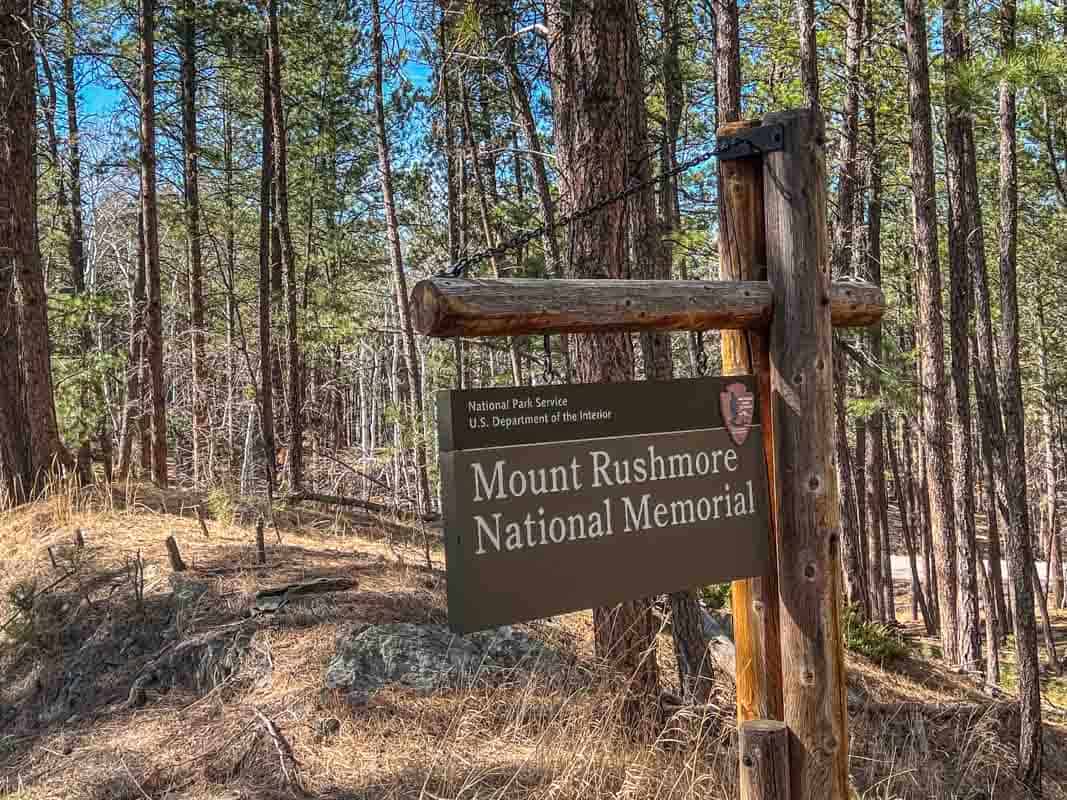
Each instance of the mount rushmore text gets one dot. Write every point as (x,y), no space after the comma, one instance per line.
(629,513)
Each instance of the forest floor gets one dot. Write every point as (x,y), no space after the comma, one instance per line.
(94,702)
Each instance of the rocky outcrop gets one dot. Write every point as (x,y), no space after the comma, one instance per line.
(428,657)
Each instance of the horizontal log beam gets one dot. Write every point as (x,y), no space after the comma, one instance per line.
(450,307)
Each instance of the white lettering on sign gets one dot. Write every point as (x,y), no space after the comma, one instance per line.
(537,529)
(517,482)
(496,532)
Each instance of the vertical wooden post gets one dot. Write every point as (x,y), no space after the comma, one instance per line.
(764,747)
(743,252)
(813,681)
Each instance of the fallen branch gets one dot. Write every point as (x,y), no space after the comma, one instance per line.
(285,752)
(360,474)
(969,710)
(270,600)
(318,586)
(354,502)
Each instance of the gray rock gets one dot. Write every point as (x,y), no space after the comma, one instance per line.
(187,590)
(719,630)
(426,657)
(717,624)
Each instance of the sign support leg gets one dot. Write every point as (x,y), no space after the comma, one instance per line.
(742,248)
(808,525)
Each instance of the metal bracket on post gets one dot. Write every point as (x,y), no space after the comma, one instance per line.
(753,142)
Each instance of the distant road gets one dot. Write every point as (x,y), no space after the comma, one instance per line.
(902,572)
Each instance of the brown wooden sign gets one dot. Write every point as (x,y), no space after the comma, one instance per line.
(560,498)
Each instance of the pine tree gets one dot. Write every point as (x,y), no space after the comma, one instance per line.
(593,92)
(931,335)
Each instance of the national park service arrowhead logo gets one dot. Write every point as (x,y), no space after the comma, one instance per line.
(738,405)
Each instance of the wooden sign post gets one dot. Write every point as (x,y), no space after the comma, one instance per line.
(777,306)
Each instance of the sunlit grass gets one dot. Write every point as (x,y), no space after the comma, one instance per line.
(1053,688)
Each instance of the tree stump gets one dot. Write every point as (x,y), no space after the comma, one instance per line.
(175,555)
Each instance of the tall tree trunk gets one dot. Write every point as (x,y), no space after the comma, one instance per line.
(870,556)
(411,361)
(50,101)
(994,518)
(651,260)
(809,55)
(266,292)
(1050,516)
(853,496)
(932,344)
(76,244)
(520,99)
(75,227)
(281,222)
(487,222)
(915,516)
(673,102)
(907,532)
(453,157)
(200,430)
(451,153)
(16,469)
(957,55)
(877,500)
(987,394)
(1020,554)
(133,408)
(992,632)
(150,215)
(30,446)
(593,45)
(876,426)
(33,449)
(231,267)
(1046,622)
(653,252)
(18,238)
(856,594)
(848,177)
(144,412)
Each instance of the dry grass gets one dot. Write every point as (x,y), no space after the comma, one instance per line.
(271,730)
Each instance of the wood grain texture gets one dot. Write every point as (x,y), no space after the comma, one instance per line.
(742,245)
(764,748)
(794,182)
(450,307)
